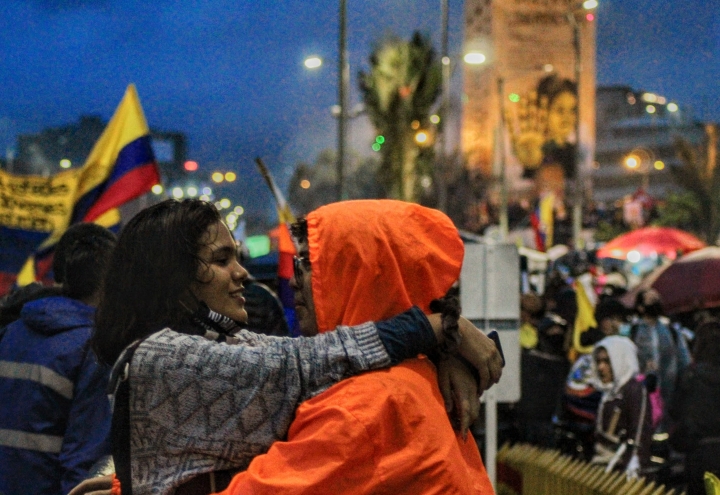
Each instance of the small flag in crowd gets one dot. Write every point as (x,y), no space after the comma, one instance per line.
(286,248)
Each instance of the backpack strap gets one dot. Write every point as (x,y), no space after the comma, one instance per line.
(120,426)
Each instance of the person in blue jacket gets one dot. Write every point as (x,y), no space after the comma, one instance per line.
(54,409)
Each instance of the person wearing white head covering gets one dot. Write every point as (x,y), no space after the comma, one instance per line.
(623,428)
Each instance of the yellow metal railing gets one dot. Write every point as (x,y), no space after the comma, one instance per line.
(528,470)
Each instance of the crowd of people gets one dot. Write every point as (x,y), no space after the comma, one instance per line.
(635,392)
(201,405)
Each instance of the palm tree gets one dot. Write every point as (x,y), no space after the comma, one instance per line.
(403,83)
(697,207)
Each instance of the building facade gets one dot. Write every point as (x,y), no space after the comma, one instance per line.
(526,43)
(635,147)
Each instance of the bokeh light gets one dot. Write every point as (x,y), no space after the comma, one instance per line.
(474,58)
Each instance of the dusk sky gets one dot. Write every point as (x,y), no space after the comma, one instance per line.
(229,73)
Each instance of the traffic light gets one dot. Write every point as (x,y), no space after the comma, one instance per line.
(377,145)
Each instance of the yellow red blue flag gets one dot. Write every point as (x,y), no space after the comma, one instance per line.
(36,211)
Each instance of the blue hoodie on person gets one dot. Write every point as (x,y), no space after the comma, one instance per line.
(54,409)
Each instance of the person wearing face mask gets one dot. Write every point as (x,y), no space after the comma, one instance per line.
(196,398)
(623,429)
(384,431)
(544,370)
(610,315)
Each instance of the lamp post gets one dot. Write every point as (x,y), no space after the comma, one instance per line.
(585,6)
(578,200)
(445,100)
(343,83)
(503,220)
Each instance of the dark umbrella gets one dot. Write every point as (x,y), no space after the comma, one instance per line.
(690,283)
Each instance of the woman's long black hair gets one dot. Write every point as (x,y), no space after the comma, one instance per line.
(150,274)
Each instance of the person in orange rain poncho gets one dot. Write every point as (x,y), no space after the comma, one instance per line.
(383,431)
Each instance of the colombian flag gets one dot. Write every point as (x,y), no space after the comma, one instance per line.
(286,249)
(585,318)
(120,167)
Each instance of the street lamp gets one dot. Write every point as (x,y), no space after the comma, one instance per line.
(343,83)
(639,160)
(587,5)
(313,62)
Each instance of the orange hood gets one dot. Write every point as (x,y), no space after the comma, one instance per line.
(372,259)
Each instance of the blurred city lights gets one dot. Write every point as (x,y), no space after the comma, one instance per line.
(421,137)
(659,165)
(672,107)
(225,203)
(205,197)
(239,210)
(313,62)
(631,162)
(376,147)
(474,58)
(380,139)
(157,189)
(231,218)
(218,177)
(305,184)
(207,191)
(191,166)
(634,256)
(65,163)
(192,191)
(650,109)
(177,192)
(230,176)
(649,97)
(514,97)
(590,17)
(445,60)
(435,119)
(548,67)
(415,124)
(590,4)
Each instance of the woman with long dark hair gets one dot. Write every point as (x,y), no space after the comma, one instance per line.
(195,394)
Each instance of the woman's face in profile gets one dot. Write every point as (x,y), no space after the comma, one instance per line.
(220,277)
(604,368)
(562,115)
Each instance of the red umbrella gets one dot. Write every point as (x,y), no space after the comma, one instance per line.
(692,282)
(665,241)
